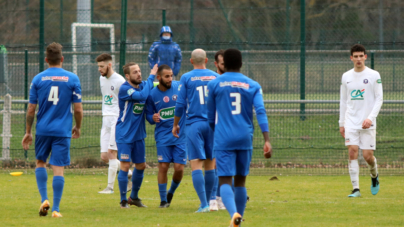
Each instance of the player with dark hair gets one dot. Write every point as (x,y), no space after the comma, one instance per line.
(110,82)
(360,103)
(219,63)
(192,93)
(231,98)
(131,130)
(160,106)
(54,90)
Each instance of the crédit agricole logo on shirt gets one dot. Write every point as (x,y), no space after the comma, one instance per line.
(357,94)
(108,99)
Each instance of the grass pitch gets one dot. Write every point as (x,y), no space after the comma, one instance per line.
(291,201)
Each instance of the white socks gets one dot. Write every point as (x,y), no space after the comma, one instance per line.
(373,169)
(354,173)
(112,169)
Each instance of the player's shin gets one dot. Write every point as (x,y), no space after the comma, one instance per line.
(41,180)
(58,184)
(354,173)
(137,179)
(210,177)
(373,168)
(199,185)
(112,169)
(163,192)
(240,196)
(123,182)
(228,199)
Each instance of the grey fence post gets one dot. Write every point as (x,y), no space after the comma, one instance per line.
(6,127)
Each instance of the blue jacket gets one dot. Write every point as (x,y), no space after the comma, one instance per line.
(166,52)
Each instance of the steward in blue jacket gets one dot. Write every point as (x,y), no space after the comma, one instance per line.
(166,51)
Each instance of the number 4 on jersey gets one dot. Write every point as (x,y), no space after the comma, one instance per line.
(54,95)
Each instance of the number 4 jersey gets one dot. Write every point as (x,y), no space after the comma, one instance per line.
(54,90)
(232,96)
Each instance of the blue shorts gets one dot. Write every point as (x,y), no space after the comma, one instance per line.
(135,151)
(200,141)
(233,162)
(60,147)
(174,153)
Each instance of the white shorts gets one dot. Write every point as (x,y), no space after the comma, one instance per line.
(364,138)
(107,140)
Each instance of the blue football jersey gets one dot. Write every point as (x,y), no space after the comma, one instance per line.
(54,90)
(164,104)
(192,92)
(131,121)
(232,96)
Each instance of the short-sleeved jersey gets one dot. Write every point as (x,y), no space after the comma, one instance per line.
(164,104)
(232,96)
(361,98)
(110,90)
(54,90)
(192,92)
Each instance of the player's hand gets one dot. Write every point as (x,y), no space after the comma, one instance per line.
(342,131)
(176,131)
(75,133)
(267,150)
(154,70)
(156,117)
(366,124)
(26,141)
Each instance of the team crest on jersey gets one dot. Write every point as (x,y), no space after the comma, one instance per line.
(174,97)
(357,94)
(166,99)
(167,113)
(108,99)
(130,91)
(365,81)
(112,88)
(138,108)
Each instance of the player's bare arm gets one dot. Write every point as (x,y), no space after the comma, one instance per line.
(153,71)
(27,140)
(267,146)
(176,127)
(78,117)
(342,131)
(156,117)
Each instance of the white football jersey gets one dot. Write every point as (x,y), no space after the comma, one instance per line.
(110,90)
(361,98)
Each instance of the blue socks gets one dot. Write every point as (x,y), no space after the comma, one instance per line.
(123,184)
(199,185)
(228,199)
(163,192)
(57,184)
(174,186)
(210,178)
(137,179)
(41,180)
(240,196)
(215,185)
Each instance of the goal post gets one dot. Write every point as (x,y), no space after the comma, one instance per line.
(91,25)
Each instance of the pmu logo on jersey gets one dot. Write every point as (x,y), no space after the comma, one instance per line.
(167,113)
(166,99)
(138,108)
(108,99)
(357,94)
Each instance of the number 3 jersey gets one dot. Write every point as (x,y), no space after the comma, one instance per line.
(54,90)
(163,103)
(192,91)
(232,96)
(361,98)
(110,90)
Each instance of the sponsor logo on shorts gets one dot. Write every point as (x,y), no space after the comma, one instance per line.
(108,99)
(174,97)
(160,158)
(138,108)
(124,156)
(166,99)
(167,113)
(346,139)
(365,81)
(372,145)
(130,91)
(357,94)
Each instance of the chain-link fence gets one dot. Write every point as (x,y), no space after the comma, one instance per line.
(304,134)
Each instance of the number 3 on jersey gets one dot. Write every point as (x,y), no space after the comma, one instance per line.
(236,103)
(54,95)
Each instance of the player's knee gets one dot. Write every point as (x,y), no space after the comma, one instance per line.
(140,166)
(104,157)
(163,167)
(40,163)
